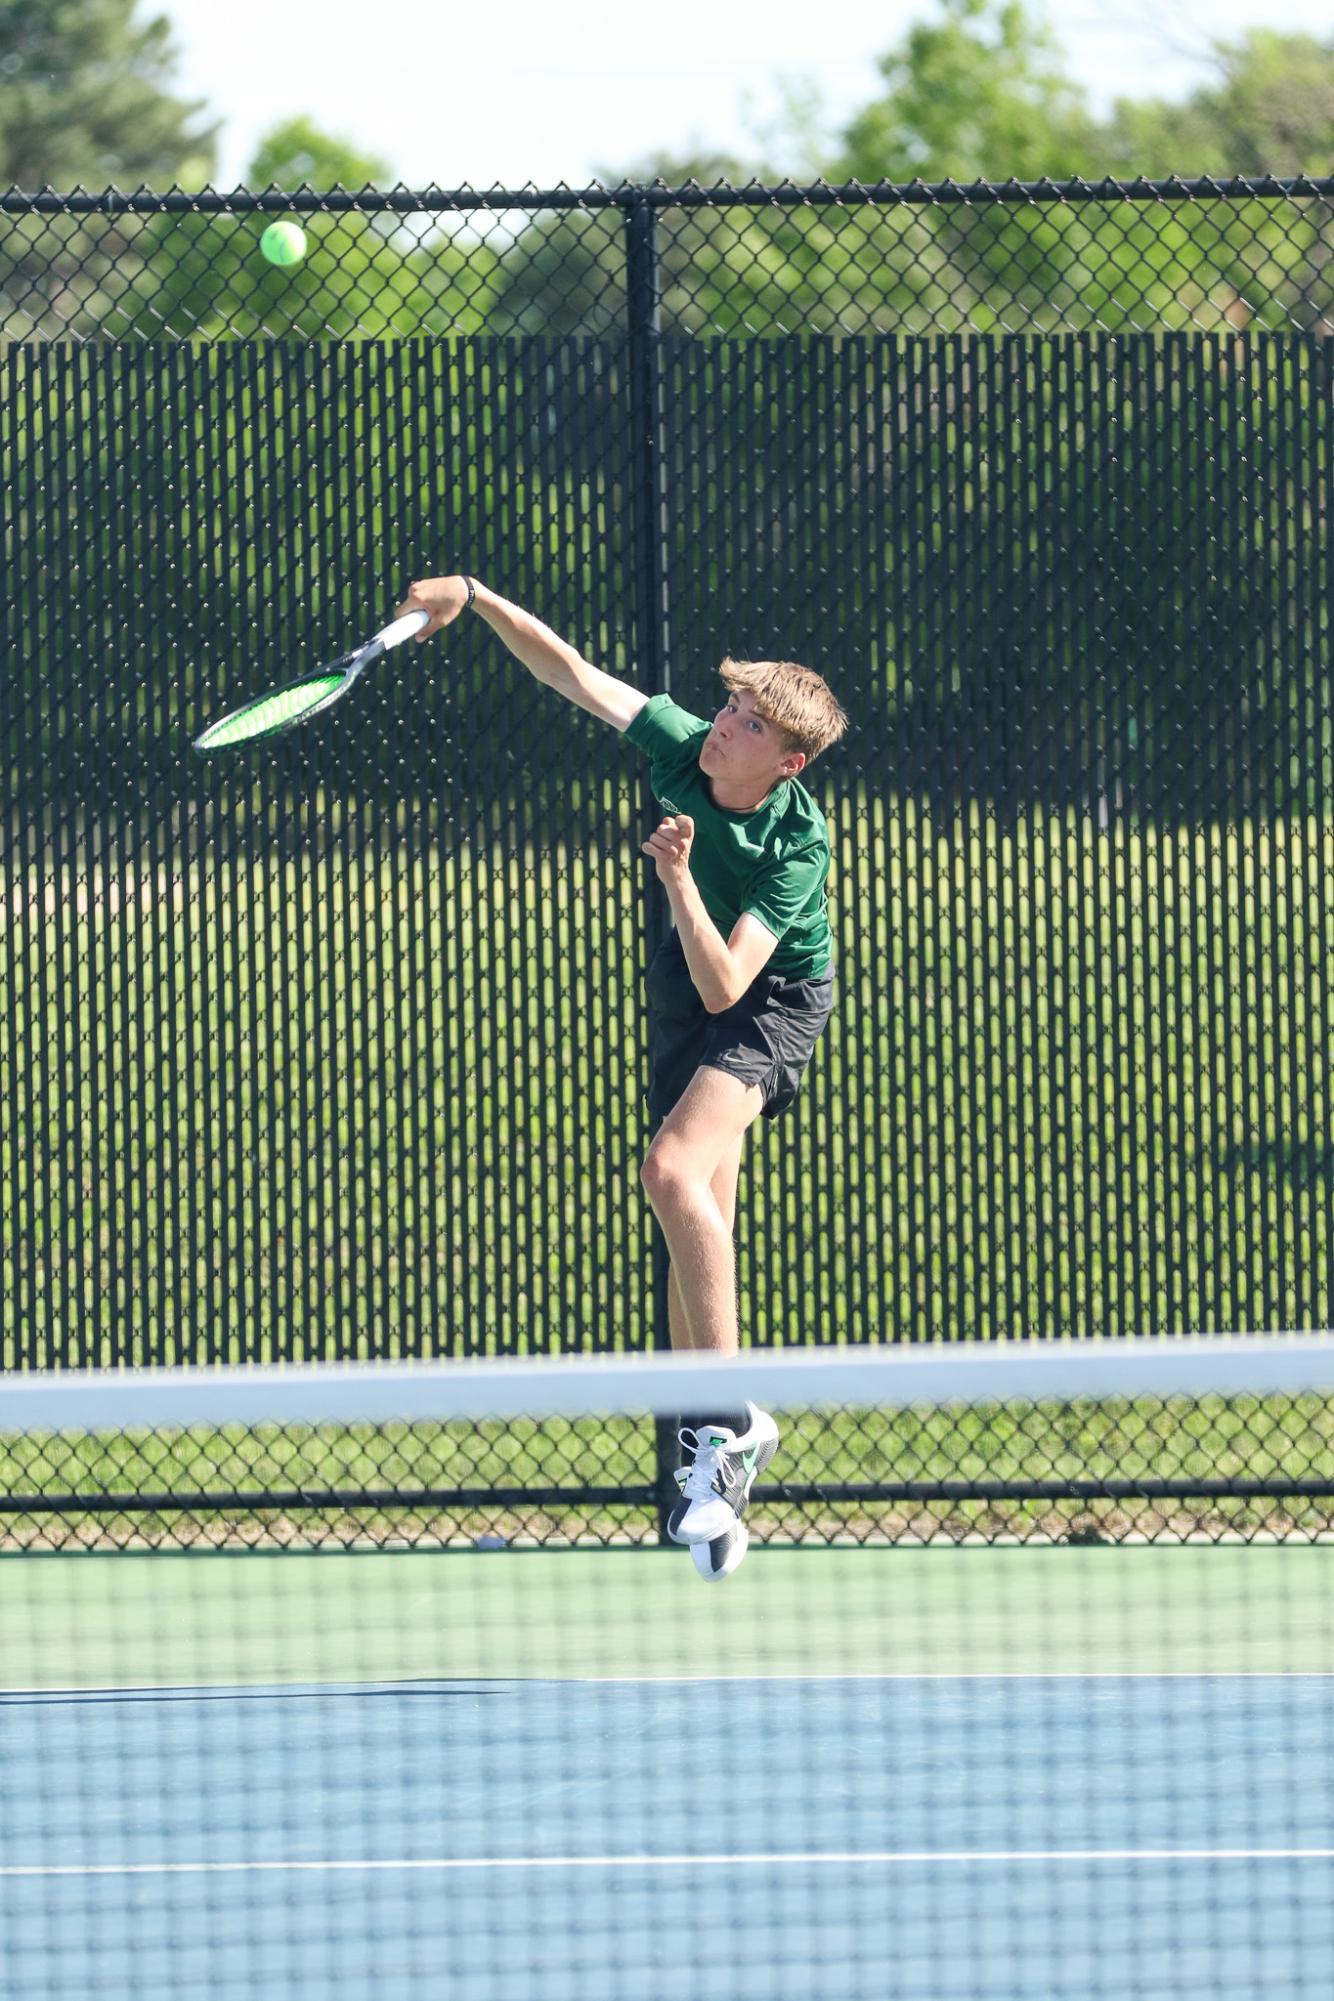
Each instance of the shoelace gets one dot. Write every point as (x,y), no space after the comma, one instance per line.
(707,1467)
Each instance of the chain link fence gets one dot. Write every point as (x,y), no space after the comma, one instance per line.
(338,1050)
(1187,256)
(1113,1470)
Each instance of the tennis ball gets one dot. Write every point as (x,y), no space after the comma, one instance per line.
(284,243)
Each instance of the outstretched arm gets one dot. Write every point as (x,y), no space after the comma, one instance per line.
(548,659)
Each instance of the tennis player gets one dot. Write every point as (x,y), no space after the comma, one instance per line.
(738,992)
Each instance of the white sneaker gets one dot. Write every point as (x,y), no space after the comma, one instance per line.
(719,1558)
(718,1482)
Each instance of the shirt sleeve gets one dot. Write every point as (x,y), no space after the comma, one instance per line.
(663,726)
(786,887)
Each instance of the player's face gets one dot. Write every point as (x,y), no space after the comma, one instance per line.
(743,751)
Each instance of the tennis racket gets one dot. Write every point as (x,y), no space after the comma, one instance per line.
(283,708)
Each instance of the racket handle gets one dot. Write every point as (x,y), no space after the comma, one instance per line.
(401,629)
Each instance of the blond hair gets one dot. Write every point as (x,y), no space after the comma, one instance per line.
(798,702)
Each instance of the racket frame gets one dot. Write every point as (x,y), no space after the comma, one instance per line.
(349,665)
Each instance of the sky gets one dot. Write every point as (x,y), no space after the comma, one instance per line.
(535,93)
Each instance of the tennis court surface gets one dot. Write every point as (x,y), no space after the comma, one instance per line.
(1001,1773)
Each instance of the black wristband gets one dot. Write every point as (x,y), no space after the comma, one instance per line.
(472,592)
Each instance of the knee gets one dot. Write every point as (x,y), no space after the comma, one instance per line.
(662,1174)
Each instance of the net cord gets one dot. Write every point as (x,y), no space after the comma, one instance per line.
(666,1384)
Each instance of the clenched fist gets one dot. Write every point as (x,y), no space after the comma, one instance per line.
(669,846)
(443,597)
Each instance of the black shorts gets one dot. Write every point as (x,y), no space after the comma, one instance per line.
(765,1038)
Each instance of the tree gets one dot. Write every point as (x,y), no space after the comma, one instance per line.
(297,152)
(372,275)
(205,273)
(85,98)
(977,94)
(1269,110)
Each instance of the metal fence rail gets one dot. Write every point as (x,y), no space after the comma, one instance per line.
(338,1051)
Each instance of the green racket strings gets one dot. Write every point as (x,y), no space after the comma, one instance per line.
(270,712)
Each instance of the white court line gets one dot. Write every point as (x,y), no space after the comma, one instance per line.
(278,1690)
(929,1674)
(820,1858)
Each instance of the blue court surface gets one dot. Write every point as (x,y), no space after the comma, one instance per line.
(996,1837)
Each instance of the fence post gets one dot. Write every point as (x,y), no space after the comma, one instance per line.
(652,635)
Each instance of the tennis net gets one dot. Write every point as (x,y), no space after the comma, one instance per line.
(496,1768)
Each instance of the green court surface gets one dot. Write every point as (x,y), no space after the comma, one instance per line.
(197,1620)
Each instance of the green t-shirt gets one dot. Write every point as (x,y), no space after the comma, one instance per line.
(772,862)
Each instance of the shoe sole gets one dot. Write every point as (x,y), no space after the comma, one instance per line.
(702,1552)
(679,1508)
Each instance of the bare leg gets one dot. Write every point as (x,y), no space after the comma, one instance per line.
(723,1185)
(700,1244)
(712,1116)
